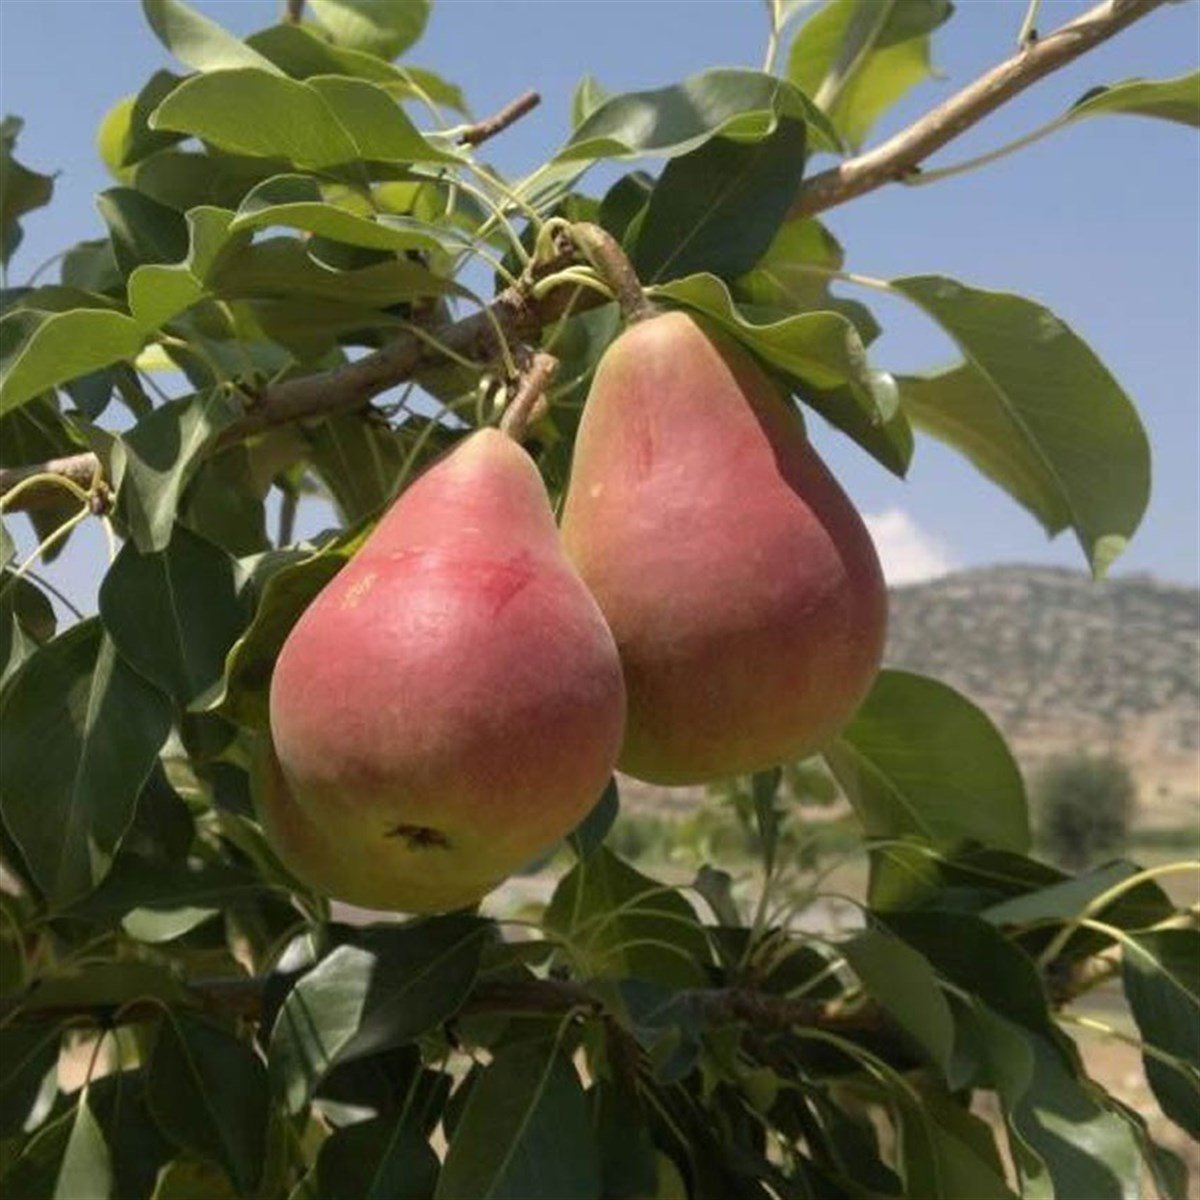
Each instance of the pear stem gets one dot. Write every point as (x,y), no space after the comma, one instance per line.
(605,255)
(529,402)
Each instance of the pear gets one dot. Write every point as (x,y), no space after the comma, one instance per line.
(739,581)
(451,704)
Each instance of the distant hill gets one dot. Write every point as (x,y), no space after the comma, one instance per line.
(1062,663)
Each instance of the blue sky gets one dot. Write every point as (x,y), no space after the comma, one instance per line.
(1100,221)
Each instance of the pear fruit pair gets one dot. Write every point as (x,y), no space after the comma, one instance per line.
(453,702)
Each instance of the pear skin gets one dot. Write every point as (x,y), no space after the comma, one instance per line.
(451,704)
(742,588)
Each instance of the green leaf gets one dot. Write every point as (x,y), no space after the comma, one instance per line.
(856,58)
(903,983)
(1035,410)
(21,190)
(590,833)
(325,122)
(85,1172)
(733,103)
(40,350)
(141,229)
(976,957)
(124,137)
(619,923)
(919,760)
(623,1139)
(386,1158)
(158,293)
(282,268)
(296,201)
(1161,974)
(301,53)
(195,40)
(86,732)
(1176,99)
(208,1093)
(820,351)
(525,1132)
(187,179)
(385,991)
(1066,1143)
(1139,906)
(173,615)
(589,94)
(717,208)
(359,460)
(152,463)
(136,1146)
(34,433)
(285,595)
(26,1056)
(794,272)
(384,28)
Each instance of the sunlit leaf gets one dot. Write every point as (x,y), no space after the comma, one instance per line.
(856,58)
(196,40)
(384,28)
(1036,411)
(920,760)
(1175,99)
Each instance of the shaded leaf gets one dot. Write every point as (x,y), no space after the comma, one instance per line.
(173,615)
(1161,974)
(619,922)
(152,463)
(385,991)
(21,190)
(285,595)
(903,983)
(525,1132)
(85,731)
(208,1093)
(26,1056)
(717,208)
(386,1158)
(137,1148)
(590,833)
(1035,410)
(918,759)
(141,229)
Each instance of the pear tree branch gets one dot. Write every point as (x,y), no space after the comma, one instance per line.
(519,316)
(901,156)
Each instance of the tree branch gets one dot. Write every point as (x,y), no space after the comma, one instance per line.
(293,11)
(473,135)
(903,154)
(245,996)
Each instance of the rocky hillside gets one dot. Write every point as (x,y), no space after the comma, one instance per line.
(1062,663)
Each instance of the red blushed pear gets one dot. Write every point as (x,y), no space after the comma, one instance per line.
(451,705)
(740,583)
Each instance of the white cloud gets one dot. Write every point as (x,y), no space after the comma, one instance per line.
(907,552)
